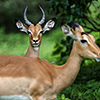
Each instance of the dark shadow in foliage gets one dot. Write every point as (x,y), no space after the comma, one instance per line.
(78,10)
(64,55)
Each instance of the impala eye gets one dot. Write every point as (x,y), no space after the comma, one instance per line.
(84,41)
(29,32)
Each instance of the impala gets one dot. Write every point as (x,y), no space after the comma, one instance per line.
(38,79)
(35,32)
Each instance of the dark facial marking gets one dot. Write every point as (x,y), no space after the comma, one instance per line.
(41,32)
(84,33)
(83,41)
(75,24)
(28,32)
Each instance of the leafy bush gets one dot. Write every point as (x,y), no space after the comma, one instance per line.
(98,41)
(85,12)
(63,47)
(62,97)
(89,72)
(88,91)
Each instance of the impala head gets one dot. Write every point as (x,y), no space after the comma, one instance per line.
(35,31)
(84,43)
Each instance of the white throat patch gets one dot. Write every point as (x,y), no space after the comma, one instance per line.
(36,48)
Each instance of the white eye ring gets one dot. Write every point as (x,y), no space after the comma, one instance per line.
(29,32)
(41,32)
(85,40)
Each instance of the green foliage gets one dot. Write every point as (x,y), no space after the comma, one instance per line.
(62,97)
(70,10)
(63,47)
(88,91)
(88,72)
(98,42)
(15,44)
(86,12)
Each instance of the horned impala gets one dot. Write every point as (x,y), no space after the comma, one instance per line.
(40,80)
(35,32)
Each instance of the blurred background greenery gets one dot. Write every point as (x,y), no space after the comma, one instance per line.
(55,46)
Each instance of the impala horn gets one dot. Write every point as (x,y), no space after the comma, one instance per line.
(43,17)
(25,18)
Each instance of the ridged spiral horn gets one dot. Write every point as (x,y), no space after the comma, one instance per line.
(25,18)
(43,17)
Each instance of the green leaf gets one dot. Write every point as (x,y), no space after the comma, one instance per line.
(58,97)
(62,96)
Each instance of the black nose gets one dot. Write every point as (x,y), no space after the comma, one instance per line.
(35,40)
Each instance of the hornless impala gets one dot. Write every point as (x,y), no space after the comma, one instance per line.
(40,80)
(35,32)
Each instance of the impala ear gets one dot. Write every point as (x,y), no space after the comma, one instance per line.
(21,26)
(68,31)
(49,25)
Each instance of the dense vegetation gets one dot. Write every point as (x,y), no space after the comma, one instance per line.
(82,11)
(55,45)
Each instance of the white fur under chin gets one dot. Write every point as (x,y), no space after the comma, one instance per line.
(14,97)
(98,59)
(36,48)
(30,98)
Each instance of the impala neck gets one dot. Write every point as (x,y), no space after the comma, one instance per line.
(68,72)
(32,52)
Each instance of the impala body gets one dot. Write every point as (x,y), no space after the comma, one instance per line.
(41,80)
(35,32)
